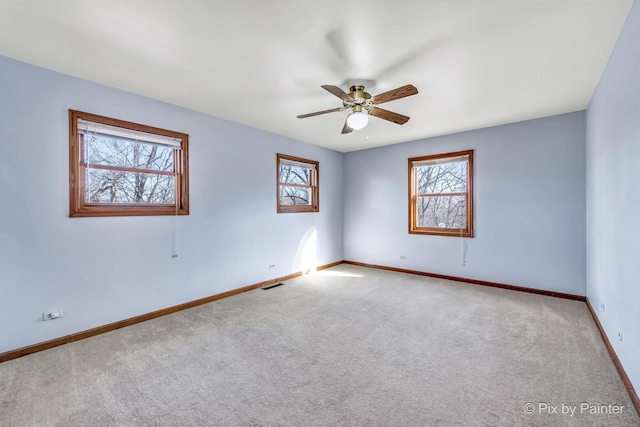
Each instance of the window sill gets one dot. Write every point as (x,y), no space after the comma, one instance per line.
(451,232)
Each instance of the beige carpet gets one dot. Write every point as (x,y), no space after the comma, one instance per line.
(350,346)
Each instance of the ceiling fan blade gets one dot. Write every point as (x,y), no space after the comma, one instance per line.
(338,40)
(346,128)
(317,113)
(398,93)
(389,115)
(338,92)
(412,56)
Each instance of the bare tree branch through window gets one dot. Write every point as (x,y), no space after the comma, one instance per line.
(122,168)
(297,184)
(106,185)
(441,194)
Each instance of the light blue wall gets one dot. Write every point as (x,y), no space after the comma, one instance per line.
(106,269)
(529,206)
(613,197)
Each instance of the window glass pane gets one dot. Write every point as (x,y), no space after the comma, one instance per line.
(442,178)
(109,186)
(295,175)
(113,151)
(295,195)
(441,211)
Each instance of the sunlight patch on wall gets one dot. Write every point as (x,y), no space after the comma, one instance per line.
(308,251)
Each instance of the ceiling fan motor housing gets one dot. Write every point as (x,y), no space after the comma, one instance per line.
(358,94)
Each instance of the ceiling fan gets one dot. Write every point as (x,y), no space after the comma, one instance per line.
(362,104)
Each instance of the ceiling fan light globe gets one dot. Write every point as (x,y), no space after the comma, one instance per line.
(357,120)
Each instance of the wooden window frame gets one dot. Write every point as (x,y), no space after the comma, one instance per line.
(314,187)
(440,231)
(79,207)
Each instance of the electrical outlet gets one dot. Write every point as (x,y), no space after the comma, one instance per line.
(53,314)
(602,307)
(271,266)
(403,257)
(620,334)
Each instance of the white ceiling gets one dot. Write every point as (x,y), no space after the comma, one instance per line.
(476,63)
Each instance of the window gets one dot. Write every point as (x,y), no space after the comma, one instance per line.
(298,184)
(119,168)
(441,194)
